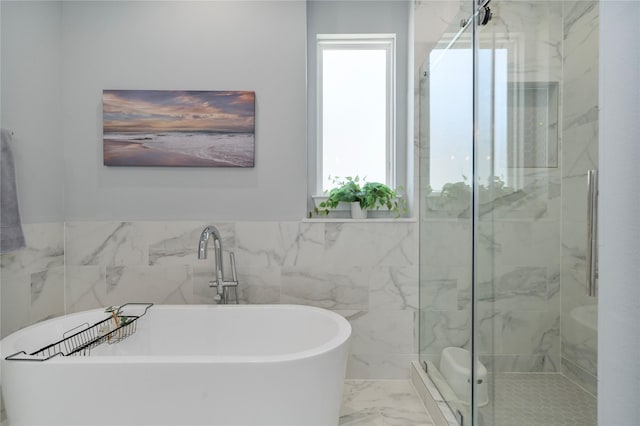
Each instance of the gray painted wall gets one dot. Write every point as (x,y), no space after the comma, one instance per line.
(619,292)
(81,48)
(219,45)
(30,99)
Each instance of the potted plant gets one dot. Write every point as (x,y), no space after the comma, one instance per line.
(362,196)
(377,195)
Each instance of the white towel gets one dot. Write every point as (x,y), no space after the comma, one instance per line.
(11,236)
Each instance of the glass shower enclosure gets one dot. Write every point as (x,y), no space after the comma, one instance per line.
(508,132)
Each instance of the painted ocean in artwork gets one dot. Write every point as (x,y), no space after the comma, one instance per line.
(178,128)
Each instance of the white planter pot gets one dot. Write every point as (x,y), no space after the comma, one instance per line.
(358,212)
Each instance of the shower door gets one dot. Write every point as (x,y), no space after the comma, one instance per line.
(446,180)
(536,121)
(504,240)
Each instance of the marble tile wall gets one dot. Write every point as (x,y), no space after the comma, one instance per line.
(518,292)
(518,231)
(580,153)
(368,272)
(32,279)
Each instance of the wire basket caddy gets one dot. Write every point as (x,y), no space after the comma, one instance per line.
(80,340)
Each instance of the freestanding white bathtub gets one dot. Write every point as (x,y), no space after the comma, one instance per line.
(186,365)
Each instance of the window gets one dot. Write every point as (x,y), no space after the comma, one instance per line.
(451,116)
(356,108)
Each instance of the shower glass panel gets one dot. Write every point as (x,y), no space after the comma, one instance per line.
(536,138)
(508,114)
(446,168)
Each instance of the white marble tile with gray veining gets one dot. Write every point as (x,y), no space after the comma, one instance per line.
(576,11)
(394,288)
(304,243)
(15,300)
(259,285)
(519,332)
(537,197)
(44,250)
(106,243)
(581,149)
(32,278)
(385,402)
(154,284)
(487,323)
(279,243)
(580,341)
(582,353)
(534,30)
(379,366)
(530,288)
(441,329)
(359,367)
(445,243)
(574,232)
(580,23)
(176,243)
(383,332)
(586,380)
(337,290)
(440,286)
(47,294)
(370,244)
(580,106)
(391,366)
(519,363)
(528,333)
(86,288)
(520,243)
(255,285)
(441,206)
(574,202)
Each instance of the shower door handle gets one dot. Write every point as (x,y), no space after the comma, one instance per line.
(592,232)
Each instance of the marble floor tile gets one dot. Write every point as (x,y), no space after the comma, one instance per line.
(382,403)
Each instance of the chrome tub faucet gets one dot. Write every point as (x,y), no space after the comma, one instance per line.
(222,286)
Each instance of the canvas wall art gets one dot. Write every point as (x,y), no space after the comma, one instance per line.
(178,128)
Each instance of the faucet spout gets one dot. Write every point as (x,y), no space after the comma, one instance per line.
(208,232)
(219,283)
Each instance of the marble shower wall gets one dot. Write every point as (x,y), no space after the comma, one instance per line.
(32,278)
(580,153)
(518,232)
(367,272)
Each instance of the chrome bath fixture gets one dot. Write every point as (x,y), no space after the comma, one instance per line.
(222,286)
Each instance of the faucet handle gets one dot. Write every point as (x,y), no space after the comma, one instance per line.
(232,259)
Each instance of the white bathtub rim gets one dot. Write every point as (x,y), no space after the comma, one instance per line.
(7,345)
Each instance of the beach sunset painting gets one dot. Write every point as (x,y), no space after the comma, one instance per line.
(178,128)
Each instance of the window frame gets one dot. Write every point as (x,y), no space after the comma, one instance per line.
(386,42)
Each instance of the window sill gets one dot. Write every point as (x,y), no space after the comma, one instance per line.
(349,220)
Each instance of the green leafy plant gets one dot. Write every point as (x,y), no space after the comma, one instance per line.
(370,195)
(377,195)
(347,190)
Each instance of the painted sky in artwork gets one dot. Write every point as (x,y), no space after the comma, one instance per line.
(176,111)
